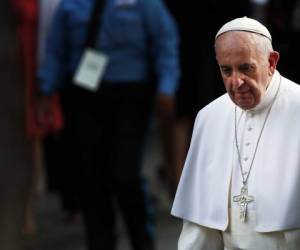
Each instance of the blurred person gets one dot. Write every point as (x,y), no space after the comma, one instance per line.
(27,22)
(109,124)
(282,19)
(59,167)
(16,166)
(199,78)
(26,13)
(294,50)
(259,10)
(279,17)
(240,184)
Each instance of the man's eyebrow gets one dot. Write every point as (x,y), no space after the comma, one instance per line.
(247,65)
(244,64)
(224,66)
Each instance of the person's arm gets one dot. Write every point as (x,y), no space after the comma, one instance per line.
(54,68)
(196,237)
(164,45)
(164,42)
(46,11)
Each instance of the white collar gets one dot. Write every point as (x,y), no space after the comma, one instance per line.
(269,95)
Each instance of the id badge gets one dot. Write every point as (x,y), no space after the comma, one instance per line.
(91,69)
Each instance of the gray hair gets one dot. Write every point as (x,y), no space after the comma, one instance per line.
(263,43)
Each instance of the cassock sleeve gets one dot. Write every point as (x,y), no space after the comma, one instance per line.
(196,237)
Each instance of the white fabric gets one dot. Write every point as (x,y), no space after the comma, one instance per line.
(241,235)
(238,236)
(245,24)
(196,237)
(249,125)
(203,192)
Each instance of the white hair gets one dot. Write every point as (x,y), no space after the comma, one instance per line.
(263,43)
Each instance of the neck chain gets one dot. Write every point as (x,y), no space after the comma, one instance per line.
(243,199)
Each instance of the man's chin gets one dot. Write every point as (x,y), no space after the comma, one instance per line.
(245,105)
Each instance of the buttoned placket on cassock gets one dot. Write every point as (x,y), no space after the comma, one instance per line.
(249,126)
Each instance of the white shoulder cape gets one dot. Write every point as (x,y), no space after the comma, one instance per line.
(203,193)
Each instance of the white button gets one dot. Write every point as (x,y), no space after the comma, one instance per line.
(245,173)
(249,129)
(248,144)
(246,159)
(250,113)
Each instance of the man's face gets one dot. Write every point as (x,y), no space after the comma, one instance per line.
(246,70)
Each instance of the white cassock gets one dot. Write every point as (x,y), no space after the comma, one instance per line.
(211,175)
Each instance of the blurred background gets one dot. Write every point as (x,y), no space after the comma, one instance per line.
(40,204)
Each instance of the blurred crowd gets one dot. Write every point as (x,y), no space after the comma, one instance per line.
(90,144)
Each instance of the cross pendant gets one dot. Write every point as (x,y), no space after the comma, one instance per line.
(243,199)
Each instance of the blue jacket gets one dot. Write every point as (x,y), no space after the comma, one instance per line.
(130,31)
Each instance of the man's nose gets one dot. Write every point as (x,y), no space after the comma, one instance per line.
(237,81)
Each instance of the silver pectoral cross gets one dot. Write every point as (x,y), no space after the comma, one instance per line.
(243,199)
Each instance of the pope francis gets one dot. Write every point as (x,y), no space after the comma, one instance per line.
(240,187)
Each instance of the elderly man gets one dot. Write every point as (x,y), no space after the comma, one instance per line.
(240,186)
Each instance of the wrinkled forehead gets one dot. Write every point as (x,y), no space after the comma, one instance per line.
(242,41)
(237,47)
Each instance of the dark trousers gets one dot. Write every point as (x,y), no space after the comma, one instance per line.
(62,169)
(109,128)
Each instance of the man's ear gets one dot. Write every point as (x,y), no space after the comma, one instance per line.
(273,60)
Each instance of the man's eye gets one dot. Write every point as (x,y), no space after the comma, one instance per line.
(226,71)
(246,68)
